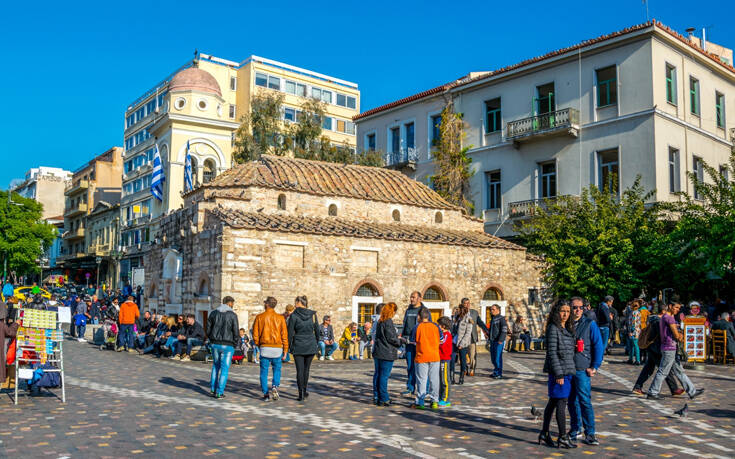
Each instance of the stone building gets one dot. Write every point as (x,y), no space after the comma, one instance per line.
(347,237)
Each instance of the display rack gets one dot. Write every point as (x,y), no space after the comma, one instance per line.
(39,340)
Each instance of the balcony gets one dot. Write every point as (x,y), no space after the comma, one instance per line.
(75,234)
(530,207)
(403,159)
(560,122)
(69,257)
(492,215)
(100,250)
(76,188)
(79,209)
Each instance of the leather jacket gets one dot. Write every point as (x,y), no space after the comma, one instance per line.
(269,330)
(222,327)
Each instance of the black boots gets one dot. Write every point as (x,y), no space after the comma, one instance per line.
(545,437)
(565,442)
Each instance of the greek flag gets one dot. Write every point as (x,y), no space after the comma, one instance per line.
(188,184)
(158,177)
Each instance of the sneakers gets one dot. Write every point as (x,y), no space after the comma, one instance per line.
(321,357)
(637,391)
(266,397)
(329,357)
(696,394)
(418,406)
(654,396)
(407,393)
(434,406)
(274,393)
(677,392)
(591,440)
(444,404)
(185,358)
(132,351)
(218,396)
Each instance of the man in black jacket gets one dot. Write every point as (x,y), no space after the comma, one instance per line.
(193,336)
(143,325)
(498,330)
(409,323)
(224,332)
(725,324)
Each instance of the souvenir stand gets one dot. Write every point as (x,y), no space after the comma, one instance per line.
(39,340)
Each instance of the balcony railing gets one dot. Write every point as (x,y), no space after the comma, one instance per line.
(402,158)
(75,188)
(79,209)
(74,234)
(560,121)
(530,207)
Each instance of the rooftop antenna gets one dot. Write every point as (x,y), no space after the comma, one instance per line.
(645,3)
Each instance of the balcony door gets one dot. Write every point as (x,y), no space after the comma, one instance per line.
(544,105)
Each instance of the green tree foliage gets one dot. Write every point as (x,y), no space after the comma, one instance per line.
(597,244)
(452,165)
(23,234)
(261,130)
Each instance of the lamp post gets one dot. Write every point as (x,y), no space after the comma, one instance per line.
(98,260)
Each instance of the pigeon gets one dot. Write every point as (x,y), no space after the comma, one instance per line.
(536,413)
(683,411)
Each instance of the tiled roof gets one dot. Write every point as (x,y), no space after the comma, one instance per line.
(330,179)
(549,55)
(356,229)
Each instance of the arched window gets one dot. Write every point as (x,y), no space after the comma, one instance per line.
(333,210)
(281,201)
(438,218)
(433,294)
(209,172)
(203,288)
(367,290)
(492,294)
(396,215)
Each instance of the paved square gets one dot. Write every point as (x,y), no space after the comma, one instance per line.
(124,405)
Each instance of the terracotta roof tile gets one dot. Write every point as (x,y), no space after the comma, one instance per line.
(330,179)
(462,82)
(339,227)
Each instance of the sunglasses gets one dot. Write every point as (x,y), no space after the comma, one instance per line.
(577,307)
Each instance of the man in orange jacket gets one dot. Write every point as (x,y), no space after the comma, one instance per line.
(271,336)
(129,313)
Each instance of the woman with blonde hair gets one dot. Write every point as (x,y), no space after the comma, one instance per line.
(385,352)
(350,341)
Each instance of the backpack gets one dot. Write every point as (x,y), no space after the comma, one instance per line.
(649,335)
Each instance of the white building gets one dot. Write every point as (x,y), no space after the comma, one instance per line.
(642,101)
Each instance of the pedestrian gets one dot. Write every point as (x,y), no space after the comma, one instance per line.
(604,319)
(669,336)
(559,364)
(365,334)
(409,323)
(271,336)
(445,360)
(476,322)
(427,338)
(286,314)
(385,353)
(633,329)
(462,338)
(303,335)
(587,359)
(129,313)
(350,341)
(327,345)
(650,342)
(223,329)
(8,329)
(498,330)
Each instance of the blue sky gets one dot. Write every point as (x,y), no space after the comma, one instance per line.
(71,68)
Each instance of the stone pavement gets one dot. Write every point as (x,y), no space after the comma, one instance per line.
(124,405)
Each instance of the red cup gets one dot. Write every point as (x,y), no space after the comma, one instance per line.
(580,345)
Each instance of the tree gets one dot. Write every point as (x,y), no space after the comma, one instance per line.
(452,165)
(261,130)
(23,234)
(598,244)
(308,127)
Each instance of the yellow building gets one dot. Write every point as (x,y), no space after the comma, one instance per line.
(201,105)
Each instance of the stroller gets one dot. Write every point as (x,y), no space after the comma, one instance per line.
(110,331)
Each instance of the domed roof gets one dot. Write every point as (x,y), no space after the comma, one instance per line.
(194,79)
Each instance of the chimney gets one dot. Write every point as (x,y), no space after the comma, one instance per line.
(704,39)
(690,32)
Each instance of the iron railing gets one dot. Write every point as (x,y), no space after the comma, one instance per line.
(404,156)
(545,122)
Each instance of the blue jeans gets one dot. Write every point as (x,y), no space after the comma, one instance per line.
(190,342)
(382,373)
(635,351)
(127,336)
(80,330)
(580,404)
(410,355)
(605,332)
(325,350)
(140,339)
(221,360)
(496,356)
(265,362)
(526,338)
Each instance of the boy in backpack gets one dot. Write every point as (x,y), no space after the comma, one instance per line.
(427,338)
(445,363)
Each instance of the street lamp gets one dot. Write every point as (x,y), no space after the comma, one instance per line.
(5,258)
(98,260)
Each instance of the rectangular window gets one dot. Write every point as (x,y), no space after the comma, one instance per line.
(674,184)
(720,110)
(274,82)
(321,94)
(344,100)
(548,179)
(670,84)
(233,111)
(694,96)
(545,99)
(492,116)
(128,166)
(327,123)
(289,114)
(492,180)
(340,126)
(233,83)
(371,142)
(725,173)
(607,87)
(608,170)
(290,87)
(395,139)
(261,79)
(698,169)
(349,127)
(436,123)
(410,143)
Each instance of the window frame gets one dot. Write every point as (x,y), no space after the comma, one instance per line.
(674,156)
(611,87)
(493,189)
(543,192)
(496,113)
(609,165)
(720,121)
(261,75)
(694,96)
(671,89)
(233,83)
(232,111)
(366,142)
(698,171)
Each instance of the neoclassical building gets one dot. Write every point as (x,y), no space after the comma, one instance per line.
(346,236)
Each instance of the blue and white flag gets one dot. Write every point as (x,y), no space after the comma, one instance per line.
(158,178)
(188,183)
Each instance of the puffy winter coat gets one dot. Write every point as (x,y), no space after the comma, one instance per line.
(560,346)
(303,332)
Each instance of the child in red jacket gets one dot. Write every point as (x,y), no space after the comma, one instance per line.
(445,356)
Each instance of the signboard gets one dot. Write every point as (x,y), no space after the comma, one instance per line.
(138,277)
(695,338)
